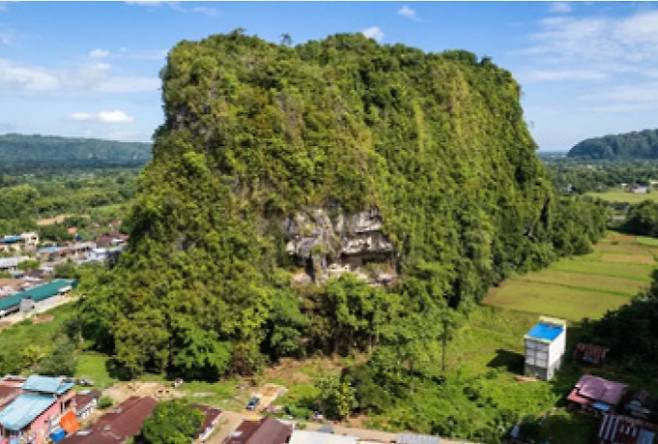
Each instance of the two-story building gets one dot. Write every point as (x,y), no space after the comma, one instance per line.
(36,412)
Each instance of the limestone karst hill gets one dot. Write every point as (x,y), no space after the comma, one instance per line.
(279,164)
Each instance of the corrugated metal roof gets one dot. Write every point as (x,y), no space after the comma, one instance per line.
(545,331)
(412,438)
(47,384)
(37,294)
(23,410)
(309,437)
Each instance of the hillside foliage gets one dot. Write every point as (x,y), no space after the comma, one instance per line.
(633,145)
(255,132)
(26,152)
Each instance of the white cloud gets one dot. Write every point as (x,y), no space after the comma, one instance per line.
(560,8)
(406,11)
(99,53)
(543,75)
(26,78)
(112,116)
(144,2)
(373,33)
(177,6)
(96,77)
(206,10)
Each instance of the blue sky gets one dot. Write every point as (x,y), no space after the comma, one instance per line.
(91,69)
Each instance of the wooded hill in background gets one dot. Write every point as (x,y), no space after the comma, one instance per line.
(257,133)
(18,151)
(634,145)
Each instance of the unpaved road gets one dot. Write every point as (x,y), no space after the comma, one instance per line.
(229,421)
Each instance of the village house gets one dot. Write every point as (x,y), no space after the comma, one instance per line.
(265,431)
(210,420)
(109,240)
(590,353)
(118,425)
(597,395)
(35,413)
(19,242)
(85,402)
(10,264)
(619,429)
(642,405)
(28,300)
(311,437)
(545,345)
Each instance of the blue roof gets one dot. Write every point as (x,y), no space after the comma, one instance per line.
(11,239)
(46,384)
(23,410)
(547,332)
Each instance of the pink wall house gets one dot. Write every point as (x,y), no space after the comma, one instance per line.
(35,413)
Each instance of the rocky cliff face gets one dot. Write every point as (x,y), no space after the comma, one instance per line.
(329,246)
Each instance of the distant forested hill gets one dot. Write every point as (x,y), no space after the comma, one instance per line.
(18,151)
(634,145)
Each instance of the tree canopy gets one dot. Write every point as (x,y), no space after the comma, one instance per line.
(255,132)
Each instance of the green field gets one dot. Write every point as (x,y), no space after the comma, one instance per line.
(583,286)
(619,195)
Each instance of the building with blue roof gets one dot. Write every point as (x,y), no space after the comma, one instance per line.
(35,413)
(545,345)
(47,385)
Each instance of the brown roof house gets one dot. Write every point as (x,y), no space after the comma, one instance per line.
(266,431)
(118,425)
(597,395)
(616,429)
(210,420)
(85,402)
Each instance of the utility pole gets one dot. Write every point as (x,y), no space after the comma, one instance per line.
(444,340)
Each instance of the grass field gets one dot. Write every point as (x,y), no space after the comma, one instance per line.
(583,286)
(619,195)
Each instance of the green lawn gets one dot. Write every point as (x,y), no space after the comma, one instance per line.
(619,195)
(94,366)
(583,286)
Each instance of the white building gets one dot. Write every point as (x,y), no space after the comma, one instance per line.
(545,345)
(310,437)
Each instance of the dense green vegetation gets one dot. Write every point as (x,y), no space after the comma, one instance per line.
(172,422)
(631,332)
(579,176)
(20,152)
(643,219)
(633,145)
(256,131)
(88,200)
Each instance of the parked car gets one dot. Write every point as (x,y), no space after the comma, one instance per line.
(253,403)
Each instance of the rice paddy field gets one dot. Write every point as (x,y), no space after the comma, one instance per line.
(583,286)
(619,195)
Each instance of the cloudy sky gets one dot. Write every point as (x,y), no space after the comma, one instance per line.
(91,69)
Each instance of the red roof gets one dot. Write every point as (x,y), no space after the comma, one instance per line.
(118,425)
(266,431)
(210,415)
(597,389)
